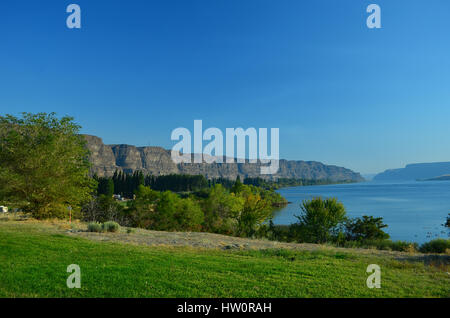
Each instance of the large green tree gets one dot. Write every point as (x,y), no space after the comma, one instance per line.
(321,220)
(44,164)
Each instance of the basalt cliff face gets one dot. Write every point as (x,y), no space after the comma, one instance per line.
(106,159)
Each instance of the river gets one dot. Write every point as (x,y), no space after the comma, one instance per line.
(414,211)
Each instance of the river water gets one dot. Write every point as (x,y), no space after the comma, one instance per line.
(414,211)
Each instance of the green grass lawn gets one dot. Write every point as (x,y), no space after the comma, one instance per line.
(34,258)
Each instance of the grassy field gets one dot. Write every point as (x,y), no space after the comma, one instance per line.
(34,257)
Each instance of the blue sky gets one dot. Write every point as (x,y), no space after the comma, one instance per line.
(339,92)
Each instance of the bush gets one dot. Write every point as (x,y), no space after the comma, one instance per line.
(95,227)
(436,246)
(110,226)
(255,211)
(403,246)
(386,245)
(365,228)
(321,220)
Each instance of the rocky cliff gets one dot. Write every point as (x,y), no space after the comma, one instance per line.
(106,159)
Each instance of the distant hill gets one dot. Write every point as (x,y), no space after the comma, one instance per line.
(106,159)
(417,171)
(445,177)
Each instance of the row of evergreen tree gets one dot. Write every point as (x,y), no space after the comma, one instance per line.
(126,184)
(121,183)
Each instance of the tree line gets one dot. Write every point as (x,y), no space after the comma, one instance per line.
(126,184)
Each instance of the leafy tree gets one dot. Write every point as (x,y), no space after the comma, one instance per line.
(221,210)
(175,214)
(142,209)
(321,220)
(44,164)
(254,213)
(165,211)
(366,228)
(447,224)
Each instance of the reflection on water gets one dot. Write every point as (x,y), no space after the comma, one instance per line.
(414,211)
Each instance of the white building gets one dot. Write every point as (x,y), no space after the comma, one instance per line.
(3,209)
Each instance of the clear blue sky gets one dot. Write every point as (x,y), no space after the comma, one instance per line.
(340,93)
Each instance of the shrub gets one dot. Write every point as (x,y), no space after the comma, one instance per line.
(403,246)
(321,220)
(110,226)
(386,245)
(255,211)
(436,246)
(94,227)
(366,228)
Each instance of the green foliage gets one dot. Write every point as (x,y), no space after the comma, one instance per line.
(177,182)
(175,214)
(241,211)
(436,246)
(142,209)
(221,209)
(238,186)
(227,207)
(287,182)
(44,164)
(282,233)
(325,221)
(366,228)
(400,246)
(105,187)
(165,211)
(255,211)
(95,227)
(126,184)
(321,220)
(387,245)
(215,210)
(227,183)
(110,226)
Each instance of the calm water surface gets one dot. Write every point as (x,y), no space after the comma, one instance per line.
(413,211)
